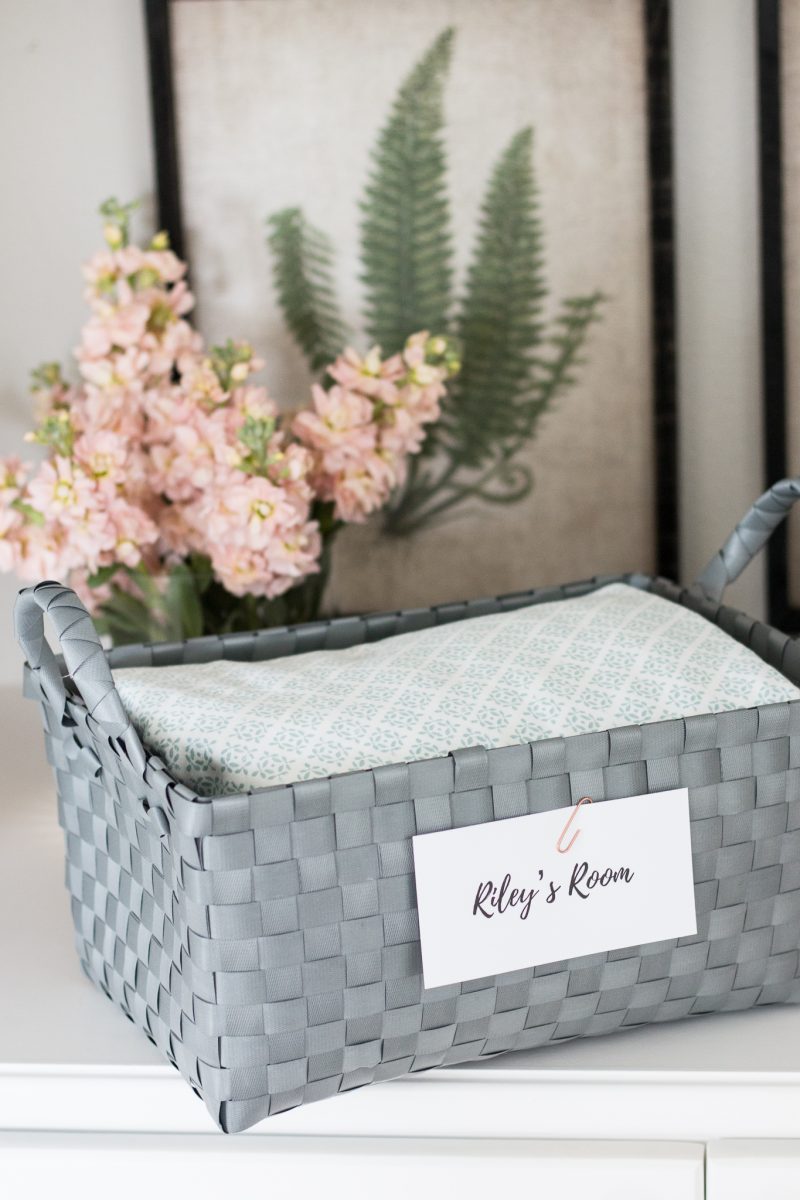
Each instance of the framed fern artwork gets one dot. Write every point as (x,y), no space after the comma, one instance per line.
(346,172)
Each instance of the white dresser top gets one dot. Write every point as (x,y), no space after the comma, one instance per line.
(69,1060)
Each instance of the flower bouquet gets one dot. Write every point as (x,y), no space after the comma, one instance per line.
(173,495)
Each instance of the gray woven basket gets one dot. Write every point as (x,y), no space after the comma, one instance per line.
(268,943)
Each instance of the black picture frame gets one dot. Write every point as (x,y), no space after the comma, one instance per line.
(656,24)
(782,612)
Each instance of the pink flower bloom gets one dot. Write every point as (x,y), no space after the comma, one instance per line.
(59,490)
(121,369)
(250,511)
(116,325)
(177,535)
(294,555)
(13,473)
(166,346)
(184,464)
(167,265)
(253,402)
(103,456)
(116,410)
(200,383)
(129,260)
(133,530)
(44,553)
(10,529)
(342,423)
(401,433)
(370,375)
(90,538)
(270,572)
(361,491)
(292,470)
(180,299)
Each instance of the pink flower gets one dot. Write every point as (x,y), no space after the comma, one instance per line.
(116,410)
(272,571)
(180,299)
(60,490)
(133,531)
(250,511)
(103,455)
(178,340)
(167,265)
(44,553)
(292,469)
(362,490)
(200,383)
(89,538)
(112,371)
(121,325)
(185,465)
(341,428)
(129,260)
(10,530)
(13,473)
(177,535)
(253,402)
(370,375)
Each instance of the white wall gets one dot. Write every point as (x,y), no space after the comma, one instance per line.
(74,126)
(716,214)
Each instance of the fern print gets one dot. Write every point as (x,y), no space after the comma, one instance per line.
(515,360)
(303,276)
(406,245)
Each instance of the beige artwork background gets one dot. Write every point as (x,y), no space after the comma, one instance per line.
(279,103)
(790,100)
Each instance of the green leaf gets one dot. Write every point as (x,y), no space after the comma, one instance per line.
(514,365)
(200,566)
(118,216)
(127,618)
(406,245)
(55,430)
(28,511)
(500,320)
(255,435)
(553,371)
(303,275)
(103,575)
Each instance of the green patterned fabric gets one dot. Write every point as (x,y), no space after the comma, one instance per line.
(616,656)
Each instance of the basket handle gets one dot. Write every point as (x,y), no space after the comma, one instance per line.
(748,538)
(83,654)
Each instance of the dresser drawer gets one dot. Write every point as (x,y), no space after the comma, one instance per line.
(749,1170)
(202,1167)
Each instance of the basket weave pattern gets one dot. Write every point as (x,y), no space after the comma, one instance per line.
(268,943)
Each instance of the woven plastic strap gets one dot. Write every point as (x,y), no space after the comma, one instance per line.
(748,538)
(83,654)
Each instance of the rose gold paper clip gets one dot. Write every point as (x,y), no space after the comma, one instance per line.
(563,849)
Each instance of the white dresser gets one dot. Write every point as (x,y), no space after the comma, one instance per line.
(705,1108)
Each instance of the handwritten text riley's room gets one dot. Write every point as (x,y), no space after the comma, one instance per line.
(495,899)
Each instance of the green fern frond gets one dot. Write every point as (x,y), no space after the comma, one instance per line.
(514,365)
(554,372)
(406,245)
(500,321)
(302,271)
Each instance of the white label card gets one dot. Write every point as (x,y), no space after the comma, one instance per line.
(500,896)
